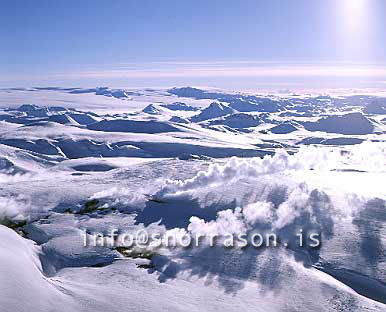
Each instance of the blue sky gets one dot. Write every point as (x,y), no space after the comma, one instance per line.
(216,43)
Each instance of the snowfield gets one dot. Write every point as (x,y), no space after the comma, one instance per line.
(188,161)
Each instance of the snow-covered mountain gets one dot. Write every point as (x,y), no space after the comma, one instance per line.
(214,110)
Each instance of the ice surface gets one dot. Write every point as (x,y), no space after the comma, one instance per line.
(188,161)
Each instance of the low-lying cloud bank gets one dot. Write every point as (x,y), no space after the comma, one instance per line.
(367,157)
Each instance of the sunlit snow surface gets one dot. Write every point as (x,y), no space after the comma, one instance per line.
(189,161)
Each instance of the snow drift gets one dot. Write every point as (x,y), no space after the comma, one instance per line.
(135,126)
(23,286)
